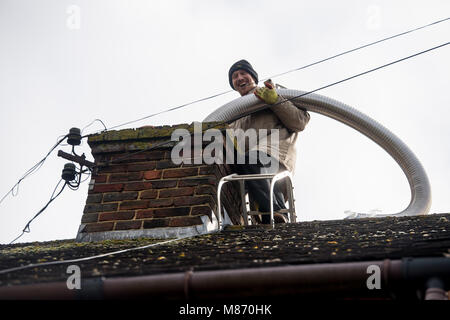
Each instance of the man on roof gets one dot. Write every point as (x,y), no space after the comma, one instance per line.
(285,118)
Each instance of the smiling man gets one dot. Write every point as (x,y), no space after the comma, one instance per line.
(242,77)
(285,118)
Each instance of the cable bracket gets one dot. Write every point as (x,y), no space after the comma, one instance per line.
(78,159)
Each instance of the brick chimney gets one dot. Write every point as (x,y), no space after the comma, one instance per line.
(136,192)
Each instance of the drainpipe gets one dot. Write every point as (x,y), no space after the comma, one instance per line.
(435,290)
(432,276)
(347,278)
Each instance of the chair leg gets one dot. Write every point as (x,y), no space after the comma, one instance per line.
(244,204)
(292,215)
(219,206)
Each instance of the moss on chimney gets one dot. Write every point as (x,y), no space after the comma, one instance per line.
(156,132)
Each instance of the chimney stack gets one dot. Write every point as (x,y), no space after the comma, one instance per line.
(136,192)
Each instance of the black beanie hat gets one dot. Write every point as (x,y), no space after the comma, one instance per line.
(242,65)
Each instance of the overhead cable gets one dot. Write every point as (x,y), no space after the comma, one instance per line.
(289,99)
(84,259)
(359,48)
(26,229)
(33,169)
(281,74)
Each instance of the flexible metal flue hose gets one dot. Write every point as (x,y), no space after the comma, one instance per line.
(417,178)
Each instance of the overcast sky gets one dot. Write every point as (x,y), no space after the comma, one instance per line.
(65,63)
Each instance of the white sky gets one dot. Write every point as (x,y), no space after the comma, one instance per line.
(123,60)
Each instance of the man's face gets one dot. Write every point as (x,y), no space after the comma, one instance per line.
(242,82)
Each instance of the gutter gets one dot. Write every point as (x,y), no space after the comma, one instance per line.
(430,276)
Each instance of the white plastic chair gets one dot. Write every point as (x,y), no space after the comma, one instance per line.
(274,177)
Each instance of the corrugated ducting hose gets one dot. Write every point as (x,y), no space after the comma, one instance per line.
(418,181)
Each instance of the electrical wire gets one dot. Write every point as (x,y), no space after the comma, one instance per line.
(35,265)
(164,111)
(26,229)
(346,79)
(88,175)
(82,130)
(32,170)
(359,48)
(284,100)
(74,184)
(90,124)
(283,73)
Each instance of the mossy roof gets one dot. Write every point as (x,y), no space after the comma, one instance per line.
(237,247)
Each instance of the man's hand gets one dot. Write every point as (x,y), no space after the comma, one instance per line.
(268,93)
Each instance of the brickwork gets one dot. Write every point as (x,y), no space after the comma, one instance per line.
(139,189)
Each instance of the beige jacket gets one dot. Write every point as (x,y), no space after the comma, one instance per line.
(285,117)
